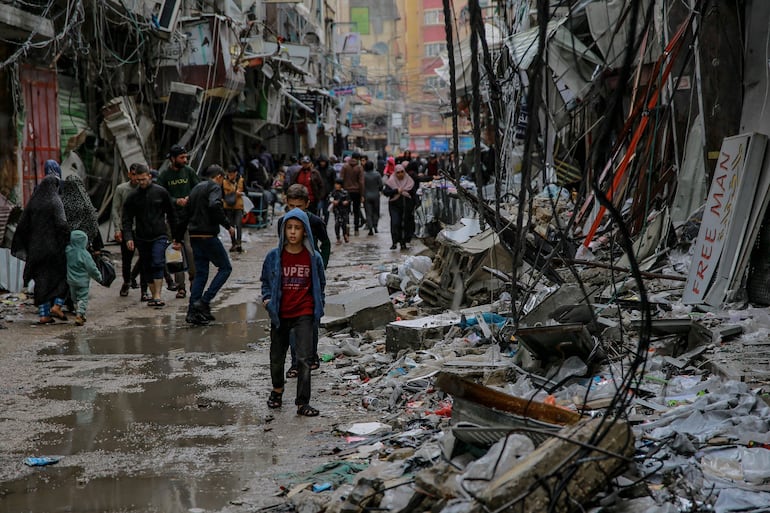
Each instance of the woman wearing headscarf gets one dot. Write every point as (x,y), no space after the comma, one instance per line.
(52,167)
(80,212)
(400,206)
(40,240)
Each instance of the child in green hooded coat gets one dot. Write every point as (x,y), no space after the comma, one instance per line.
(80,269)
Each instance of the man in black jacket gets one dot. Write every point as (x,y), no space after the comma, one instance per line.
(150,206)
(202,217)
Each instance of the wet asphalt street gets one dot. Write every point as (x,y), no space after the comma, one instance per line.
(147,413)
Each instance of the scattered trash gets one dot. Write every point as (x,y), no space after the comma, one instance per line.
(317,488)
(41,461)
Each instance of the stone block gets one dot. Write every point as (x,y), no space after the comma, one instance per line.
(420,333)
(348,303)
(362,310)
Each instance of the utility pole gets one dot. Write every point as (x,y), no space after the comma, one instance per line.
(389,94)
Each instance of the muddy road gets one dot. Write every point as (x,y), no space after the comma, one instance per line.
(150,414)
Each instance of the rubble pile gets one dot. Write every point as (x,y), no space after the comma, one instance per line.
(585,403)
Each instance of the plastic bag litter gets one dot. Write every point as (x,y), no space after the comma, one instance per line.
(248,205)
(502,456)
(367,428)
(738,464)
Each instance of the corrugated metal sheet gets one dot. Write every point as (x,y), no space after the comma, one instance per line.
(5,212)
(41,125)
(11,271)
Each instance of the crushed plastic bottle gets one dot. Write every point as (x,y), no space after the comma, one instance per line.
(41,461)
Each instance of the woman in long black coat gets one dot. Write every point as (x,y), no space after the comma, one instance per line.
(40,240)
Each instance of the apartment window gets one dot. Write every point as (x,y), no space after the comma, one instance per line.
(433,17)
(434,49)
(416,119)
(435,119)
(434,82)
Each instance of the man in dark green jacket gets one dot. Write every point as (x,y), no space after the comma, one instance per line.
(179,179)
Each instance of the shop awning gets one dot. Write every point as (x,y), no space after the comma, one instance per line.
(570,60)
(494,38)
(17,24)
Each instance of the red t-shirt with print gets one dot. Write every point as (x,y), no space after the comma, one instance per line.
(296,284)
(304,177)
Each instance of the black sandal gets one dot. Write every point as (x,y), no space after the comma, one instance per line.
(315,364)
(307,411)
(275,400)
(293,372)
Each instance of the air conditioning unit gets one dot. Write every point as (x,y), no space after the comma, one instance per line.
(167,15)
(183,106)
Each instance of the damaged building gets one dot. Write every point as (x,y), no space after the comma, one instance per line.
(586,330)
(98,86)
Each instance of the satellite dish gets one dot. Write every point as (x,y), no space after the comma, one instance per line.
(380,48)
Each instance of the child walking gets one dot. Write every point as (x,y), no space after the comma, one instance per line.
(80,269)
(341,208)
(293,284)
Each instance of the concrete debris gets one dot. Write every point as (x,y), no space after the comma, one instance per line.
(475,413)
(456,278)
(361,309)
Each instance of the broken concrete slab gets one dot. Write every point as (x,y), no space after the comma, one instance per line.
(457,272)
(419,333)
(567,294)
(564,471)
(693,332)
(423,332)
(362,310)
(560,341)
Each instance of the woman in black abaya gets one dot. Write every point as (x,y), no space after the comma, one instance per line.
(40,239)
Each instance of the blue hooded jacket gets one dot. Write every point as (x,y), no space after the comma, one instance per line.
(271,272)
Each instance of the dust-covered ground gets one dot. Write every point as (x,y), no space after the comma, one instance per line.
(148,413)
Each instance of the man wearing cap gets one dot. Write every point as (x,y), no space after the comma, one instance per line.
(309,176)
(352,175)
(179,179)
(202,216)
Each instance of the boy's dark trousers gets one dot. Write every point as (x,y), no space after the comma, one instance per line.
(302,328)
(341,228)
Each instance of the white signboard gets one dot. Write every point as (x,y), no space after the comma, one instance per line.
(719,215)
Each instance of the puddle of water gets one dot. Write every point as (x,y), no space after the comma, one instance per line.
(166,417)
(181,447)
(129,421)
(235,326)
(60,490)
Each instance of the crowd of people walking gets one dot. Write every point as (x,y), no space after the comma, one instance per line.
(173,219)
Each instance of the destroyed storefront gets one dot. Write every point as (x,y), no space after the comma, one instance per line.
(98,87)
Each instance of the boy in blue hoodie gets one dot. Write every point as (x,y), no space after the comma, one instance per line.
(293,284)
(80,269)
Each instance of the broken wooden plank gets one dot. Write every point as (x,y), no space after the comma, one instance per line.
(491,398)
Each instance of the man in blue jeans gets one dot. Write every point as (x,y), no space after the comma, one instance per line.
(145,213)
(203,215)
